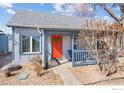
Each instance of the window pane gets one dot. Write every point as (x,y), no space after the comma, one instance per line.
(36,44)
(25,44)
(75,46)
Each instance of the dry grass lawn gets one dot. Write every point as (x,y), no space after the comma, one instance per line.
(47,78)
(91,74)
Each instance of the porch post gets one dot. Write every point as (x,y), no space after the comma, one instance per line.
(44,48)
(72,48)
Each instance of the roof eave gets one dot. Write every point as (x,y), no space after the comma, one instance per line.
(42,27)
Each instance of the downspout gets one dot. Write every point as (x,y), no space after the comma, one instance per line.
(39,32)
(44,58)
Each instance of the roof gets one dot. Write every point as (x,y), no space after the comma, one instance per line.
(45,20)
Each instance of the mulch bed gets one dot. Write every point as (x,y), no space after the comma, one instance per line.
(47,77)
(91,74)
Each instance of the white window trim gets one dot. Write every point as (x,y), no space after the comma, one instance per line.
(31,46)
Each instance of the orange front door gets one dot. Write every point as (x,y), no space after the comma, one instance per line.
(56,46)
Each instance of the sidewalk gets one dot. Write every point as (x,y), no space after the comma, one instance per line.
(67,77)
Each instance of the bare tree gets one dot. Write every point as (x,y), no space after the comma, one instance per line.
(118,19)
(121,6)
(102,39)
(104,35)
(112,14)
(83,10)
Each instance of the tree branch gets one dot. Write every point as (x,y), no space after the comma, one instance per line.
(110,12)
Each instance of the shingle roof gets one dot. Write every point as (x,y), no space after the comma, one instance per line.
(45,20)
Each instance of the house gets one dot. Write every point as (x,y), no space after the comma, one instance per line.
(5,42)
(50,36)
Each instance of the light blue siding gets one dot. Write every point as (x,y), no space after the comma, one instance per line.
(45,43)
(17,33)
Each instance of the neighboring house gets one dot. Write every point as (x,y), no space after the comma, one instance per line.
(5,42)
(50,35)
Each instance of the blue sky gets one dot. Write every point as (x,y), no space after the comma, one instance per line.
(7,10)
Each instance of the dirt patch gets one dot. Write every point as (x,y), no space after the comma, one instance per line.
(89,75)
(47,78)
(86,74)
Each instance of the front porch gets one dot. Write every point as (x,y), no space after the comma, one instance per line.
(53,54)
(72,50)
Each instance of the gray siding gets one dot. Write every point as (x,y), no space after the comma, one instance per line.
(17,55)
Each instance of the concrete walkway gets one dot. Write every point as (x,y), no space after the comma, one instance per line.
(67,77)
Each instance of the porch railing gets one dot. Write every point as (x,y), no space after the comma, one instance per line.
(83,57)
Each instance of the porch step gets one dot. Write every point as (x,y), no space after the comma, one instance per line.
(54,63)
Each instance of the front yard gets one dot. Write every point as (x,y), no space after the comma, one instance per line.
(91,75)
(47,78)
(87,75)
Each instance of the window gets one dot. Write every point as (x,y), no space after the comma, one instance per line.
(25,44)
(35,44)
(30,44)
